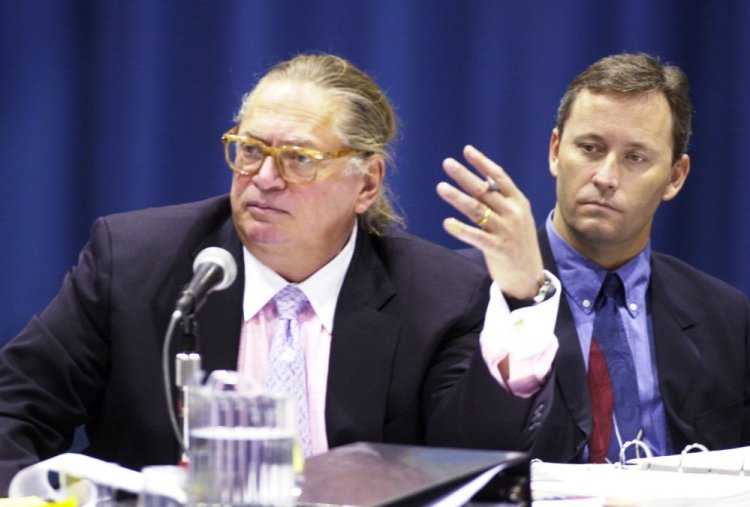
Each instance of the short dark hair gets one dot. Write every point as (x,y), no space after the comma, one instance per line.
(634,74)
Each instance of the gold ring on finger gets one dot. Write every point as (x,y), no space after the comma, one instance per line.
(485,218)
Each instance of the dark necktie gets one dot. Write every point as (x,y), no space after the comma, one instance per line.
(612,378)
(286,361)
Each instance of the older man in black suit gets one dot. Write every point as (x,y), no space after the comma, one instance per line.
(388,326)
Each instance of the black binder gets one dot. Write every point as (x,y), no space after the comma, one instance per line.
(366,474)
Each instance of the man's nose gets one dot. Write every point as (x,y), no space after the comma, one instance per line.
(268,175)
(608,173)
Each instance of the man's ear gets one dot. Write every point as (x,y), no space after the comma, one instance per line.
(372,183)
(680,171)
(554,151)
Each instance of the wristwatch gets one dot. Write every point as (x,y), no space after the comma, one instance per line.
(546,290)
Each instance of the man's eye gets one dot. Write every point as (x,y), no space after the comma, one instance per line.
(637,157)
(588,147)
(301,158)
(251,151)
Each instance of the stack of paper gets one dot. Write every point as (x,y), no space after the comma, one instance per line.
(612,485)
(728,461)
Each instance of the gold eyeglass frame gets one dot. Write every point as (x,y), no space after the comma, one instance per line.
(271,151)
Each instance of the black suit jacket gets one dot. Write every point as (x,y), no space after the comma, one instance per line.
(701,329)
(404,364)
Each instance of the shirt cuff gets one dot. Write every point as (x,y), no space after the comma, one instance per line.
(525,336)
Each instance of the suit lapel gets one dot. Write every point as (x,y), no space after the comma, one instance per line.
(220,318)
(677,357)
(362,350)
(571,379)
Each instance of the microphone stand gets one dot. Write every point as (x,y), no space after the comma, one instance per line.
(187,373)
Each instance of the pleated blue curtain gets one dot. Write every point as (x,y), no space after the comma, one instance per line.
(109,105)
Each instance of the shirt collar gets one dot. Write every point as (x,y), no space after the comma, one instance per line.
(581,278)
(321,289)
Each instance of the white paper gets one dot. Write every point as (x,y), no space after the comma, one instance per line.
(33,480)
(462,495)
(629,486)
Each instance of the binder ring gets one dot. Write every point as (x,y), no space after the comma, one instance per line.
(687,449)
(638,443)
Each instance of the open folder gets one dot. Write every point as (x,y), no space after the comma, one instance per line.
(715,478)
(365,474)
(727,461)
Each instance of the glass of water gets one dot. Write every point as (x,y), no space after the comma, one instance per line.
(241,444)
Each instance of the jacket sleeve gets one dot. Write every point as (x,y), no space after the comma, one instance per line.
(467,406)
(54,371)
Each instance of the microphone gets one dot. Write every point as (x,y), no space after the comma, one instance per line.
(214,269)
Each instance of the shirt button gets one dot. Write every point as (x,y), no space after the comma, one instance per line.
(633,307)
(586,303)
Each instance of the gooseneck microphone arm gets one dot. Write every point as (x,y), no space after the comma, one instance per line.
(187,373)
(214,269)
(176,424)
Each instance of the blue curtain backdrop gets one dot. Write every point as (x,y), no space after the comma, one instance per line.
(108,106)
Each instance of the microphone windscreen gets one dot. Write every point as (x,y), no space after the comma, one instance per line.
(223,259)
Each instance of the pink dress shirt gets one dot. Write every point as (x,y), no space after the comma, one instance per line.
(525,336)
